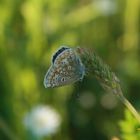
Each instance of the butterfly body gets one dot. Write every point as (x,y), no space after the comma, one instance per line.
(66,68)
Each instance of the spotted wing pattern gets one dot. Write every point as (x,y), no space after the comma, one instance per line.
(66,68)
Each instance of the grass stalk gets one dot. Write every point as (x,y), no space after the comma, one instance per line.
(108,80)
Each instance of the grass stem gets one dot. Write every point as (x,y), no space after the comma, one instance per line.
(108,80)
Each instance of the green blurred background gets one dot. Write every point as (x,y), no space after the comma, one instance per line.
(32,30)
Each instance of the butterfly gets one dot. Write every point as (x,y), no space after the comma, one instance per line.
(66,68)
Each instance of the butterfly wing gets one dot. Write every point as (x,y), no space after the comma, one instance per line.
(66,69)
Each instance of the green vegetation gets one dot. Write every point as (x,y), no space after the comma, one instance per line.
(31,31)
